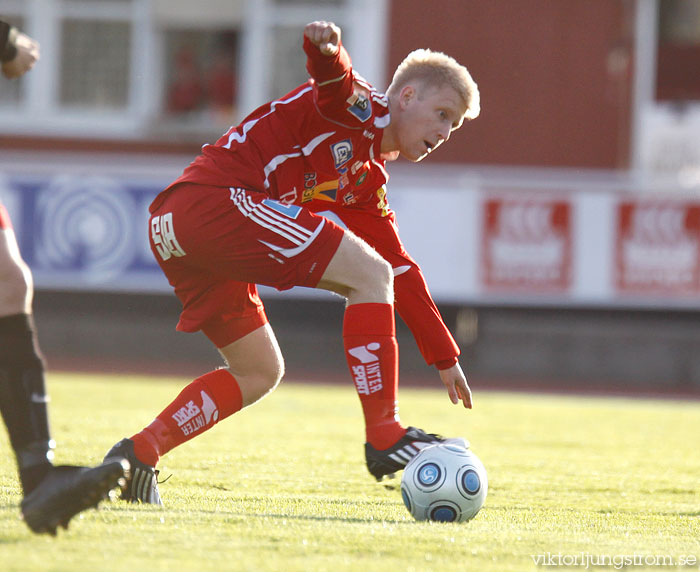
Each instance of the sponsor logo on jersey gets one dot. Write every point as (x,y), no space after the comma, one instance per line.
(342,152)
(327,191)
(382,203)
(289,197)
(360,106)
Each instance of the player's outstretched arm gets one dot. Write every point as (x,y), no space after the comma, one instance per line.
(325,35)
(456,384)
(27,54)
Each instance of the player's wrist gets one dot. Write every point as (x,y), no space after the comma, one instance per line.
(446,363)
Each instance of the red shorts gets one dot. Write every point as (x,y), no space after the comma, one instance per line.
(215,244)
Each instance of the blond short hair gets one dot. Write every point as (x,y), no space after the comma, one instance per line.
(438,69)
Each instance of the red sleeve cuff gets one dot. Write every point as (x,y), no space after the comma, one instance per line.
(324,68)
(446,363)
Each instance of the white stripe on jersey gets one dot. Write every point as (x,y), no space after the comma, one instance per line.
(363,82)
(337,79)
(377,163)
(383,121)
(315,142)
(306,150)
(380,99)
(250,124)
(276,162)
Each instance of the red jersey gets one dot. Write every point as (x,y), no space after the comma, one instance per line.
(319,147)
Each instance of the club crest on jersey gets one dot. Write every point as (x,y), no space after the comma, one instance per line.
(360,106)
(342,152)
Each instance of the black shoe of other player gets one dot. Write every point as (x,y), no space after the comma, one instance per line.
(142,485)
(68,490)
(386,462)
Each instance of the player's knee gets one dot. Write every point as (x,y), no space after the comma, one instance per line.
(275,371)
(256,385)
(376,278)
(359,273)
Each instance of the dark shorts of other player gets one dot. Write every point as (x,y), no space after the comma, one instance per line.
(215,244)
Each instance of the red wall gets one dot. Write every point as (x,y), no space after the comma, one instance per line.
(554,76)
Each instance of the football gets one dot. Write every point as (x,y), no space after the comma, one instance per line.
(445,483)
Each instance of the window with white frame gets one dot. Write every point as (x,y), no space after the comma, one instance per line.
(167,69)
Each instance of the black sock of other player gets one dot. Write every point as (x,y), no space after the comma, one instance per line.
(23,399)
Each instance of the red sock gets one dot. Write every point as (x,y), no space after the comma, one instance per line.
(369,336)
(198,407)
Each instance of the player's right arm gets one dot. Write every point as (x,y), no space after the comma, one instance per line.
(329,65)
(18,52)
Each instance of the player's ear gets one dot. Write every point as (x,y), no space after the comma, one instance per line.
(407,95)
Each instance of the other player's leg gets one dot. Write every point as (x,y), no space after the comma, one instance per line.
(52,495)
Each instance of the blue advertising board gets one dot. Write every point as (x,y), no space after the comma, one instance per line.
(84,232)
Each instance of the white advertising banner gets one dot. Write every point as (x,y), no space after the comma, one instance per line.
(483,241)
(570,247)
(526,243)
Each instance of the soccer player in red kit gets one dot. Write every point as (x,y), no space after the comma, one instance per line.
(244,212)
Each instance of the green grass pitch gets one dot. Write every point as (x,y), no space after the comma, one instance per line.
(283,486)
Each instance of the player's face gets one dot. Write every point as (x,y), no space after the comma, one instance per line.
(428,117)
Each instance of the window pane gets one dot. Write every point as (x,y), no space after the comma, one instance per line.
(95,63)
(288,61)
(201,75)
(678,58)
(679,22)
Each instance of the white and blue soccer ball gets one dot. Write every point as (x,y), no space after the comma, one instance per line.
(445,483)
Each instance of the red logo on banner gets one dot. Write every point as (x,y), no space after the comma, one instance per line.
(656,247)
(527,244)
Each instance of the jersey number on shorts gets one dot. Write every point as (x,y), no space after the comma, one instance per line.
(163,236)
